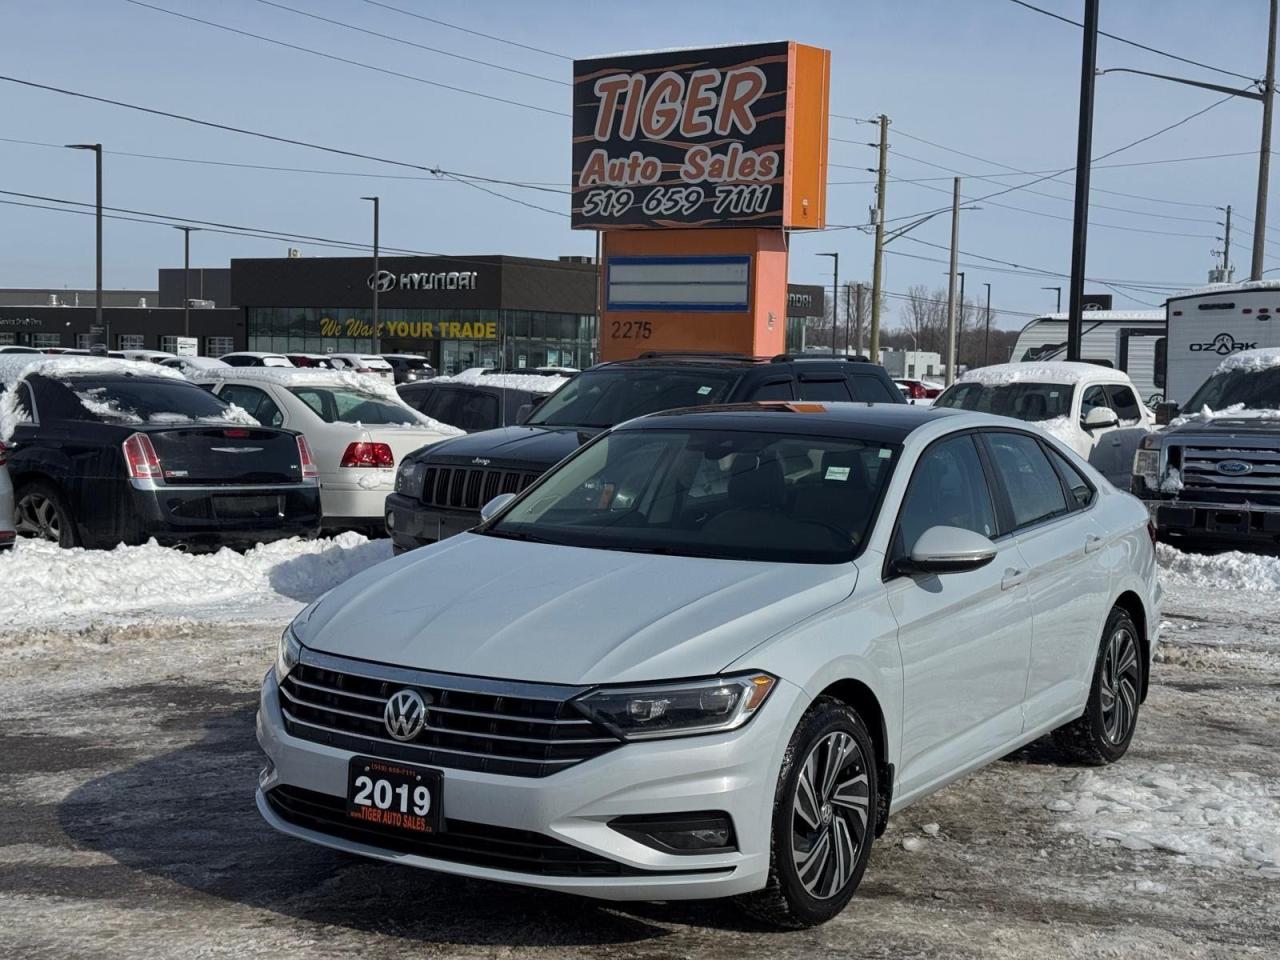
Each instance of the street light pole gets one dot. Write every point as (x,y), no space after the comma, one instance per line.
(1084,150)
(835,297)
(951,285)
(377,332)
(986,345)
(186,279)
(1058,290)
(97,309)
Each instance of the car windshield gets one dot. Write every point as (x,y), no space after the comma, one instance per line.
(604,398)
(339,405)
(134,400)
(1254,389)
(709,493)
(1023,400)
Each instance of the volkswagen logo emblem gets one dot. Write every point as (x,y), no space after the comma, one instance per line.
(405,714)
(1234,468)
(383,281)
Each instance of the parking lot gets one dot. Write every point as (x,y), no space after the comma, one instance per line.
(128,766)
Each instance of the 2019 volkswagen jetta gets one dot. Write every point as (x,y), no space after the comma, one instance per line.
(712,651)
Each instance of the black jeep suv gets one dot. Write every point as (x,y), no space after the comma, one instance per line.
(441,488)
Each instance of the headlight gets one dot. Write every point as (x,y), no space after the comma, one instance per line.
(409,479)
(288,652)
(1146,464)
(678,709)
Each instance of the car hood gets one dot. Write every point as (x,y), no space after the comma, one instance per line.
(491,607)
(1216,427)
(527,446)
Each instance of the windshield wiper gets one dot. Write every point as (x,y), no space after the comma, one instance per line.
(514,535)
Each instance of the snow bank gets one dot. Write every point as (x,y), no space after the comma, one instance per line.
(1063,371)
(15,366)
(300,377)
(1217,821)
(1233,571)
(1251,360)
(532,382)
(42,585)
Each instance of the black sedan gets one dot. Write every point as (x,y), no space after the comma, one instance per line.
(117,455)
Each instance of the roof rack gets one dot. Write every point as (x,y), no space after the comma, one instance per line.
(695,354)
(848,357)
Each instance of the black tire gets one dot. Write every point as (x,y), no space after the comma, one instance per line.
(1102,734)
(41,512)
(805,895)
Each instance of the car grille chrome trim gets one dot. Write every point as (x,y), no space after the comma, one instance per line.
(1199,466)
(473,723)
(469,488)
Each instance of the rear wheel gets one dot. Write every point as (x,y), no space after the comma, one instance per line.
(1101,735)
(42,513)
(823,819)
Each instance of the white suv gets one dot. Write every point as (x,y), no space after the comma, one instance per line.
(710,652)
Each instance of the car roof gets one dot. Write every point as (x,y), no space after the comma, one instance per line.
(1044,371)
(730,361)
(255,353)
(882,422)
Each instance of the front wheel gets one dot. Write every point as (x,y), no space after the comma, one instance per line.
(1101,735)
(823,819)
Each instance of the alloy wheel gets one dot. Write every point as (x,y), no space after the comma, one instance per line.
(830,814)
(1119,686)
(37,516)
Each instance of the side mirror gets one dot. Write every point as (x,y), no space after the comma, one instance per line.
(522,414)
(949,550)
(1099,418)
(495,505)
(1165,412)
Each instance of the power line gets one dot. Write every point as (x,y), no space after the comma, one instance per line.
(1135,43)
(411,43)
(1096,167)
(474,33)
(264,136)
(354,63)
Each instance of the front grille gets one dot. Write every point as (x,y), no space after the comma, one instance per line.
(480,845)
(470,488)
(1200,473)
(492,732)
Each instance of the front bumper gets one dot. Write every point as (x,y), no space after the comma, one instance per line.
(1219,522)
(215,515)
(733,772)
(412,524)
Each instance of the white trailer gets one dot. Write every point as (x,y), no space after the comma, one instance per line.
(1128,340)
(1209,323)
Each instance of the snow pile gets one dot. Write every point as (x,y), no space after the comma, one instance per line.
(11,413)
(44,586)
(1172,482)
(300,377)
(1251,361)
(1058,371)
(1231,820)
(15,366)
(1060,428)
(1233,571)
(531,382)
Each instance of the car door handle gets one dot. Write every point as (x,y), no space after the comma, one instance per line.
(1092,542)
(1012,578)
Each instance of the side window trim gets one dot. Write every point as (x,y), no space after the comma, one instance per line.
(1007,504)
(1057,461)
(27,397)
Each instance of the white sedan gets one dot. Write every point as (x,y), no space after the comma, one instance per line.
(1093,409)
(357,426)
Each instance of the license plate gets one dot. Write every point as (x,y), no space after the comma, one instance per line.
(247,508)
(393,796)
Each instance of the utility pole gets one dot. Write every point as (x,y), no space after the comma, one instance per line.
(1264,153)
(876,271)
(1084,150)
(857,328)
(1226,246)
(848,314)
(951,284)
(986,346)
(186,279)
(377,333)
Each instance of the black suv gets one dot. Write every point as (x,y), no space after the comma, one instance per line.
(484,403)
(440,488)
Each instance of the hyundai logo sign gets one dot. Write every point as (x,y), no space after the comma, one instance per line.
(382,281)
(1235,468)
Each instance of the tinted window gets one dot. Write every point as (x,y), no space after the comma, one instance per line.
(875,390)
(1253,389)
(255,402)
(1081,490)
(1123,402)
(237,361)
(603,398)
(1022,400)
(948,489)
(774,390)
(734,494)
(1035,493)
(1093,397)
(337,405)
(130,400)
(824,390)
(478,411)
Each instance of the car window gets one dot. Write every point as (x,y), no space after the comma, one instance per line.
(140,400)
(255,402)
(1034,490)
(947,489)
(1124,403)
(341,405)
(607,397)
(1081,489)
(1094,396)
(19,396)
(1022,400)
(237,361)
(773,390)
(836,390)
(873,390)
(478,411)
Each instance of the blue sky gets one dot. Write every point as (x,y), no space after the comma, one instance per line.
(985,77)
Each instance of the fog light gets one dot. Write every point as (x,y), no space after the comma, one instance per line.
(680,833)
(391,519)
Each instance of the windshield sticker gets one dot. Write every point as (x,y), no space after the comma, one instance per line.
(837,473)
(703,391)
(885,453)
